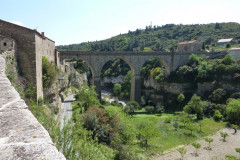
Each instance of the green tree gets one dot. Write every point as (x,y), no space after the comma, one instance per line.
(224,135)
(196,146)
(233,111)
(217,115)
(147,129)
(182,151)
(228,59)
(117,88)
(235,127)
(209,140)
(87,96)
(195,106)
(191,127)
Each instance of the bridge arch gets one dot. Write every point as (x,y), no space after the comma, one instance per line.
(132,89)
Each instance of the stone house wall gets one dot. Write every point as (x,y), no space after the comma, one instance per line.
(31,46)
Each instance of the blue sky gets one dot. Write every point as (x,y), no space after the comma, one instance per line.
(76,21)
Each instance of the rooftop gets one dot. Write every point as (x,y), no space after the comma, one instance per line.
(224,40)
(188,42)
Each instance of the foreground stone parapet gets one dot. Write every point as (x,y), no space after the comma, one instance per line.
(21,135)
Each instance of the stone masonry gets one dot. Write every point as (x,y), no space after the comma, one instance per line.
(30,47)
(135,60)
(22,137)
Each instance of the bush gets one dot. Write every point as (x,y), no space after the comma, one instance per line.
(149,109)
(217,115)
(194,59)
(228,59)
(159,109)
(233,111)
(117,89)
(218,95)
(49,73)
(131,107)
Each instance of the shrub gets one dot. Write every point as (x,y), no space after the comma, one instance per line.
(149,109)
(131,107)
(180,98)
(159,109)
(228,59)
(158,74)
(233,111)
(218,95)
(117,89)
(103,127)
(194,59)
(168,120)
(217,115)
(49,73)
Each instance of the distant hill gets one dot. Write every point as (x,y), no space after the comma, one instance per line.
(161,38)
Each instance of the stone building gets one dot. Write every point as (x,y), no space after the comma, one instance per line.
(224,42)
(30,47)
(189,46)
(6,44)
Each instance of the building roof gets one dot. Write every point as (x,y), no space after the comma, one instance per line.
(33,30)
(234,49)
(225,40)
(188,42)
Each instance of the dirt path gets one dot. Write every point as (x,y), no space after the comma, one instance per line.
(219,148)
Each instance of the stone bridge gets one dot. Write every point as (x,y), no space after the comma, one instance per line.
(136,60)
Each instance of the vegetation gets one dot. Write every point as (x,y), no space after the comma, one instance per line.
(182,151)
(209,140)
(196,146)
(49,73)
(224,135)
(161,38)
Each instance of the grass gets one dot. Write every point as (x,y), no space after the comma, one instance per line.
(168,137)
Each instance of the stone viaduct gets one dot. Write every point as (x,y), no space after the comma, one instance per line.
(136,60)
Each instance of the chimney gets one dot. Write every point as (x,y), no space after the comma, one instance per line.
(43,34)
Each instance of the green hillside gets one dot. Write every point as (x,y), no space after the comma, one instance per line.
(161,38)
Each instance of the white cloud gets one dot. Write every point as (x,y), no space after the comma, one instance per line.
(17,22)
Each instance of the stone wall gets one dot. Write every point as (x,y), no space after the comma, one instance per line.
(21,135)
(31,46)
(44,47)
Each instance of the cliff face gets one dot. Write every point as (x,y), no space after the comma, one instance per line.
(21,135)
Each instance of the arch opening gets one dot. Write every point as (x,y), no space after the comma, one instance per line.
(153,72)
(116,80)
(79,72)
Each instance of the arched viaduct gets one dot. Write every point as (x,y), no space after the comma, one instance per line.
(135,60)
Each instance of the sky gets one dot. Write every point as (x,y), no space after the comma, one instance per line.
(76,21)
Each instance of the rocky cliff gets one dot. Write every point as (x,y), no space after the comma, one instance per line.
(21,135)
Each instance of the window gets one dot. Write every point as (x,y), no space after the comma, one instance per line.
(4,44)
